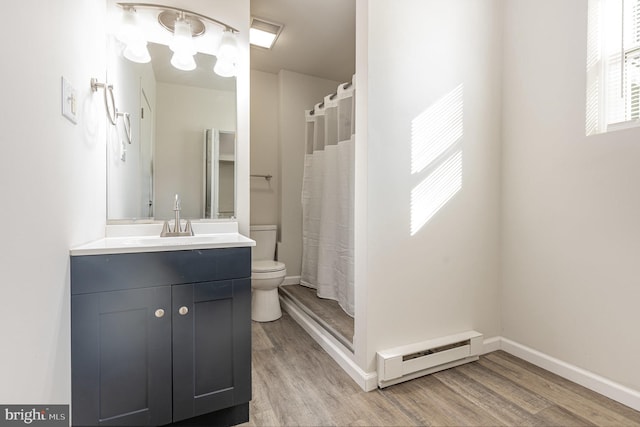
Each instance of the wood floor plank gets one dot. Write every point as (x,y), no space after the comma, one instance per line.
(557,416)
(592,395)
(308,362)
(259,419)
(374,409)
(529,401)
(572,401)
(283,392)
(359,409)
(260,340)
(259,402)
(408,399)
(494,404)
(435,404)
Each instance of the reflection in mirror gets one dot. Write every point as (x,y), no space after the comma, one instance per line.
(170,112)
(219,173)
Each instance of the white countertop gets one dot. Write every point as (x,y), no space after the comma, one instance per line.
(145,238)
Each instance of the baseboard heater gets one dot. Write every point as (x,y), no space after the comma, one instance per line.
(415,360)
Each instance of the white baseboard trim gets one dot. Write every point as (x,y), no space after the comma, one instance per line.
(604,386)
(366,380)
(491,344)
(291,280)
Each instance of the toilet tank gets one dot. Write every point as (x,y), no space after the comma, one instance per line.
(265,237)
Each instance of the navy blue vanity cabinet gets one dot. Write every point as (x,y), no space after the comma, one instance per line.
(161,337)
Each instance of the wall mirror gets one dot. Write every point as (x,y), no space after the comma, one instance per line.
(182,127)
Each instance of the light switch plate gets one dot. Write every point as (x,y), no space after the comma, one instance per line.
(69,102)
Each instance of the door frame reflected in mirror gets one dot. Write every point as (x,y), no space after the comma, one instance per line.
(219,166)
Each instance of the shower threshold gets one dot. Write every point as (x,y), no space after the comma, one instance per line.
(326,313)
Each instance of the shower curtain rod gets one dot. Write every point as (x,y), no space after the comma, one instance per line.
(331,97)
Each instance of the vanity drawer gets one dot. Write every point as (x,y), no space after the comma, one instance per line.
(100,273)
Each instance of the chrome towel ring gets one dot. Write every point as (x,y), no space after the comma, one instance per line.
(126,120)
(110,107)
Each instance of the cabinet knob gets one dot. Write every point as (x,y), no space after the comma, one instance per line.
(183,310)
(159,313)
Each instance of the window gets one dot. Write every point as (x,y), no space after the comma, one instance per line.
(613,65)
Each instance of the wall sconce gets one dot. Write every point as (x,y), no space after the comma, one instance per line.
(185,26)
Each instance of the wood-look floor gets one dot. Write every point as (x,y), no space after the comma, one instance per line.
(328,310)
(295,383)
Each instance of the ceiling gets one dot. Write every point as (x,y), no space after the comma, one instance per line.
(318,37)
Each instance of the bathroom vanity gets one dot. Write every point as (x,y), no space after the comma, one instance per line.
(161,331)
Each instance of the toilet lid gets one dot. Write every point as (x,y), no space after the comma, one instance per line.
(266,266)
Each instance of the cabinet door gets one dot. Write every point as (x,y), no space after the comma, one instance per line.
(211,346)
(121,357)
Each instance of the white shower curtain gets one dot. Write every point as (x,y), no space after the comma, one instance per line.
(327,198)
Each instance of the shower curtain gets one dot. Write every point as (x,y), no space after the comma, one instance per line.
(327,198)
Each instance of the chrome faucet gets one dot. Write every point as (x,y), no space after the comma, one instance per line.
(177,228)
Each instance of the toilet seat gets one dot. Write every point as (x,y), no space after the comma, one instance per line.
(267,266)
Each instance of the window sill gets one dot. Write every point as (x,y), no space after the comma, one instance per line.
(612,127)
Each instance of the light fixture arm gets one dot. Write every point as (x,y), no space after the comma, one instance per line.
(179,10)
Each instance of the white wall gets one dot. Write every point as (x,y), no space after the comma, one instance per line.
(264,148)
(571,204)
(52,175)
(298,92)
(445,278)
(182,115)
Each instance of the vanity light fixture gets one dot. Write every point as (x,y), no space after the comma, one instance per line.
(131,35)
(182,45)
(185,26)
(227,56)
(263,33)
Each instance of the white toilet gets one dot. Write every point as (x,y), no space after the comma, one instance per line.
(266,274)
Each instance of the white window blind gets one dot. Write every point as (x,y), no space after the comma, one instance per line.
(622,60)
